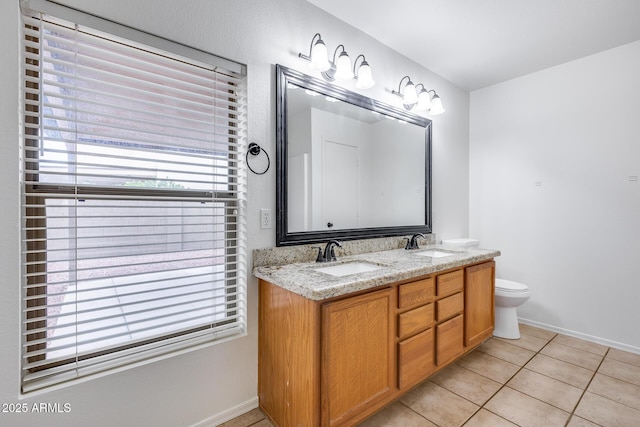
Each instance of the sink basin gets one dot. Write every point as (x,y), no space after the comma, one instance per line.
(434,253)
(348,268)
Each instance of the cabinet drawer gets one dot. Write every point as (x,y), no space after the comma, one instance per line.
(415,359)
(450,282)
(415,320)
(449,340)
(416,293)
(447,307)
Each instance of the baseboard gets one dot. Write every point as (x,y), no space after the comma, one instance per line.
(590,338)
(228,414)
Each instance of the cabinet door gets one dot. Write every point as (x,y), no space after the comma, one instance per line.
(449,340)
(357,355)
(479,303)
(415,359)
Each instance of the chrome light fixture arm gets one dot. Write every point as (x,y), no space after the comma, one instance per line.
(362,74)
(339,68)
(420,100)
(308,57)
(409,97)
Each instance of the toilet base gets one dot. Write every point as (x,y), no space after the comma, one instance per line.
(506,323)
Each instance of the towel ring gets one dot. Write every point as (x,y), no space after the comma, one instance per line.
(255,150)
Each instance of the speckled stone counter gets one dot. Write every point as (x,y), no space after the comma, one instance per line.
(396,265)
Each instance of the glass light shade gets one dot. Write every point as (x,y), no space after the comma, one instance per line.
(365,79)
(436,106)
(424,101)
(319,57)
(410,96)
(343,67)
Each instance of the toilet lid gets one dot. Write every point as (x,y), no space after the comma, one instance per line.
(508,285)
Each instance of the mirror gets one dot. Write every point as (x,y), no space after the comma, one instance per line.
(348,167)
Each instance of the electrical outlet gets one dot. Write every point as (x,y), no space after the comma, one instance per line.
(265,218)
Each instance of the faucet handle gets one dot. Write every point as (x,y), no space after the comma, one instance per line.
(408,245)
(319,257)
(413,242)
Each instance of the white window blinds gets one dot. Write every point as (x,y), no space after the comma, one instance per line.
(133,199)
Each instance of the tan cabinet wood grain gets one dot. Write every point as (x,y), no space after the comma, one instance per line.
(288,349)
(447,307)
(449,340)
(416,293)
(333,363)
(449,283)
(415,359)
(479,293)
(415,320)
(358,363)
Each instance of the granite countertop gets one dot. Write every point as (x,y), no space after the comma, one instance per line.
(396,264)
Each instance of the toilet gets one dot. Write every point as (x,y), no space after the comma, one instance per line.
(508,296)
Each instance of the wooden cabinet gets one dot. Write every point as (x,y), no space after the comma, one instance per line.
(288,357)
(479,295)
(414,321)
(358,363)
(333,363)
(415,331)
(449,340)
(415,359)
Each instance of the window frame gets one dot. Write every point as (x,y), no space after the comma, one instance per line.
(35,195)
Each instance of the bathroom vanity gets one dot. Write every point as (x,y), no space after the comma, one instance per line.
(336,345)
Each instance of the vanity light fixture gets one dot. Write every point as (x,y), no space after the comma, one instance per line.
(424,99)
(364,78)
(420,100)
(318,57)
(436,105)
(410,96)
(342,68)
(339,68)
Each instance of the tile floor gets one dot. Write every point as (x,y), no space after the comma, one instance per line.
(543,379)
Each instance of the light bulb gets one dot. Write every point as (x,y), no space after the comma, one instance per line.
(319,57)
(343,67)
(424,101)
(365,80)
(436,106)
(410,95)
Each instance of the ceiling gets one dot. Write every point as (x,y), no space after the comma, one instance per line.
(478,43)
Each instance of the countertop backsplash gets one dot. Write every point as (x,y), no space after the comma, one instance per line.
(307,253)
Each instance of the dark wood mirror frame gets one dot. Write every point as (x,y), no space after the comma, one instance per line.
(285,76)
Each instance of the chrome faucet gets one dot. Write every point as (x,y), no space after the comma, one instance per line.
(329,253)
(412,243)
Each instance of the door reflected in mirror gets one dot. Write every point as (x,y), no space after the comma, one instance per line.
(348,166)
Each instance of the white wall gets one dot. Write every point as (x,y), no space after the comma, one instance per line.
(208,384)
(550,158)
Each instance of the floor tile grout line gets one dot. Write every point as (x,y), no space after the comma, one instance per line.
(479,406)
(609,376)
(581,349)
(571,414)
(556,379)
(502,386)
(505,360)
(520,368)
(415,412)
(585,390)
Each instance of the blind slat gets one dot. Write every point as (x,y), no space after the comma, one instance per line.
(133,201)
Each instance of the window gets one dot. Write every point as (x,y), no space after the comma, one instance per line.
(133,199)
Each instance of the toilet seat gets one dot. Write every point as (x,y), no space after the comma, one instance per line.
(510,286)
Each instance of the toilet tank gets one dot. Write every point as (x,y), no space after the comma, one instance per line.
(461,242)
